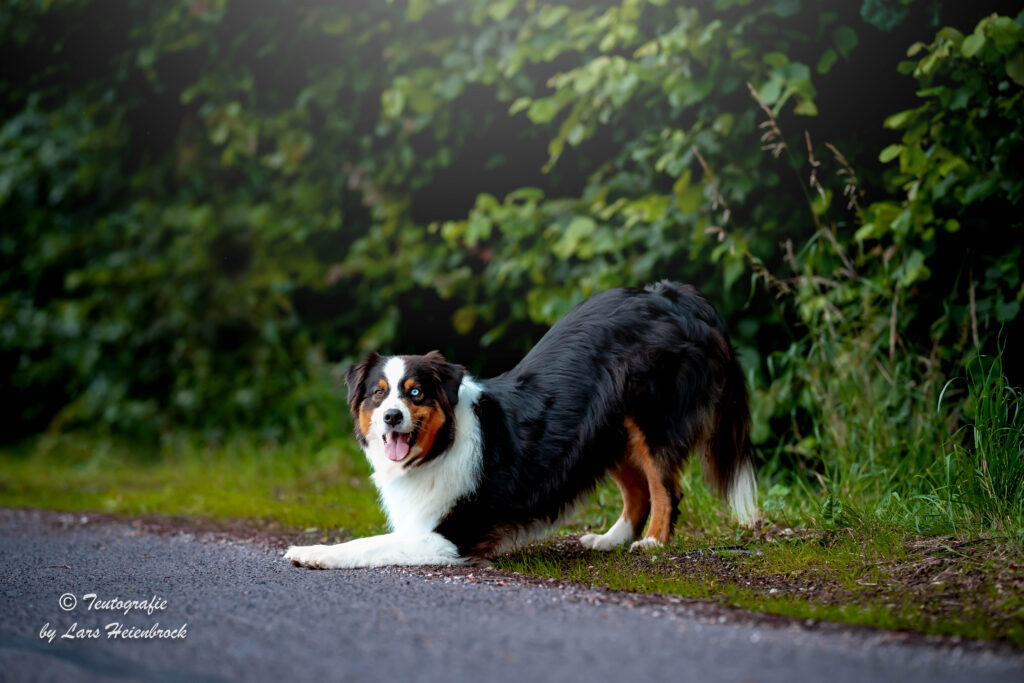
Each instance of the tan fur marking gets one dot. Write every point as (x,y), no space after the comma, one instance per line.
(426,420)
(660,527)
(364,420)
(409,384)
(636,498)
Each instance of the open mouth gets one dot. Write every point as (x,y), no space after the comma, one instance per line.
(396,445)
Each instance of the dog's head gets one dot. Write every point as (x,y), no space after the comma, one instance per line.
(404,406)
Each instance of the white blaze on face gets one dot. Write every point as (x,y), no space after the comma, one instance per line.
(395,437)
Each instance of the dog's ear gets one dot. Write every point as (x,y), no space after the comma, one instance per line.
(448,375)
(355,378)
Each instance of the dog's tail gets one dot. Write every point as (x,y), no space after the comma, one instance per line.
(727,454)
(726,449)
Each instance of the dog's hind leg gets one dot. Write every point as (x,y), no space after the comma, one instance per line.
(663,489)
(636,502)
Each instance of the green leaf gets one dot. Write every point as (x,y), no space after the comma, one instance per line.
(980,189)
(1015,67)
(579,228)
(575,135)
(543,110)
(899,119)
(477,228)
(890,153)
(914,269)
(549,16)
(771,90)
(689,198)
(734,268)
(884,14)
(519,105)
(961,98)
(723,123)
(902,223)
(392,102)
(819,205)
(335,23)
(416,9)
(500,10)
(866,231)
(1006,310)
(906,67)
(806,108)
(785,8)
(972,44)
(827,61)
(146,57)
(846,40)
(951,35)
(464,318)
(1004,34)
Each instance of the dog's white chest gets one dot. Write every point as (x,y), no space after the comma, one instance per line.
(415,500)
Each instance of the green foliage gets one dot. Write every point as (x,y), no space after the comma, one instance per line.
(957,169)
(861,386)
(217,206)
(206,219)
(885,14)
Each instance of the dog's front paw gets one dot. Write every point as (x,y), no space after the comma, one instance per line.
(309,556)
(601,541)
(645,545)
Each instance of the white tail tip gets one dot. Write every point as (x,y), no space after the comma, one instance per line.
(743,495)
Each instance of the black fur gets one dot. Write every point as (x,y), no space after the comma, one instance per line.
(553,425)
(440,382)
(356,381)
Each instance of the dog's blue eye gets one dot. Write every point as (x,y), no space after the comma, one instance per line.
(415,393)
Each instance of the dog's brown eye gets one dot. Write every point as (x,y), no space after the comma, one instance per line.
(378,393)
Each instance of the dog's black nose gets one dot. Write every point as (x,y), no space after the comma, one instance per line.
(393,417)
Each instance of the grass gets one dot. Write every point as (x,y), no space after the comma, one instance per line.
(297,485)
(990,453)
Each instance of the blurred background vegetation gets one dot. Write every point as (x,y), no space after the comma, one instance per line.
(211,207)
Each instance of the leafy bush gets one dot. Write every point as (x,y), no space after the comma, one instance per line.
(863,383)
(210,207)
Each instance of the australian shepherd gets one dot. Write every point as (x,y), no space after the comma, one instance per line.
(626,385)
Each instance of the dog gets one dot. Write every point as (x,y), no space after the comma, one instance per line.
(627,384)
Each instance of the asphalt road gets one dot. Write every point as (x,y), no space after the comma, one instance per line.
(249,615)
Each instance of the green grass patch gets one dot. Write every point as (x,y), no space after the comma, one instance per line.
(298,485)
(874,577)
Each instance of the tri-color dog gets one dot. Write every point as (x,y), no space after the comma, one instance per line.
(628,384)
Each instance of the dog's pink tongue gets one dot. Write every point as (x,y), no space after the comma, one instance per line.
(397,446)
